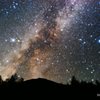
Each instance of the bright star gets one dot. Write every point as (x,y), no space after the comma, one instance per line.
(99,41)
(13,40)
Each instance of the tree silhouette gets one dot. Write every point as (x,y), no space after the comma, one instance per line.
(1,80)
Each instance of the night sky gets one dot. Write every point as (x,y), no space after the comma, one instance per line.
(52,39)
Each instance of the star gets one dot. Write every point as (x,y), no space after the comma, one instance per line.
(12,40)
(99,41)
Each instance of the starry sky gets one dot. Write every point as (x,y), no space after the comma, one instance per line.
(52,39)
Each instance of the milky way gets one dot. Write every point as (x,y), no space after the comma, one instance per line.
(51,39)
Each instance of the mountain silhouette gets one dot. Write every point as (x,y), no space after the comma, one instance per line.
(18,86)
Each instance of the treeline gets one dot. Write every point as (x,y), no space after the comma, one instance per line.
(17,85)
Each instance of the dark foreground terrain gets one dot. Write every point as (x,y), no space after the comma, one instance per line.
(17,87)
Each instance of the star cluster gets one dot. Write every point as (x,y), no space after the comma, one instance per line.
(52,39)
